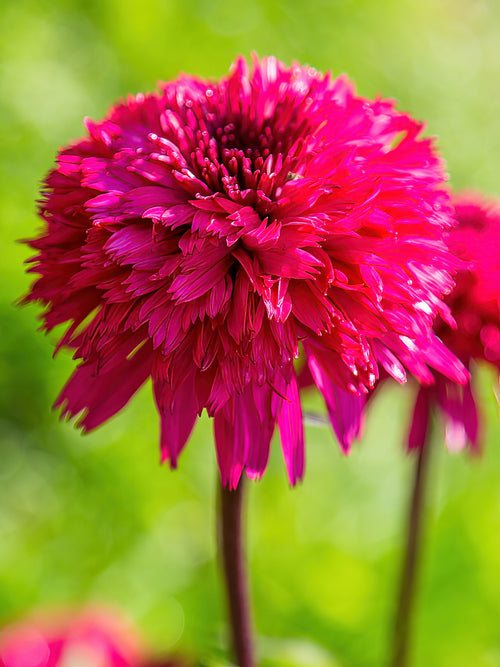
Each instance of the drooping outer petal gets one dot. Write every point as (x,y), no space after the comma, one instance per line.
(243,431)
(178,412)
(460,413)
(345,409)
(419,427)
(292,431)
(101,394)
(219,224)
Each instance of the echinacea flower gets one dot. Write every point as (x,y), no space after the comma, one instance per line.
(91,638)
(205,234)
(475,306)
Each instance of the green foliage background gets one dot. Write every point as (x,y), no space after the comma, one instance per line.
(96,518)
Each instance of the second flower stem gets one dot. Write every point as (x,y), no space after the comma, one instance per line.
(234,566)
(407,586)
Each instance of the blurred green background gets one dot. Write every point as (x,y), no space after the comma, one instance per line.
(96,518)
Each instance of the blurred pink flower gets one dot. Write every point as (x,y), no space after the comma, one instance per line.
(95,638)
(200,234)
(475,305)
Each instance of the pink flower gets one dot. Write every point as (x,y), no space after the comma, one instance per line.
(95,638)
(475,305)
(204,234)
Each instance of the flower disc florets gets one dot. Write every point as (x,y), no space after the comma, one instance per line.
(200,234)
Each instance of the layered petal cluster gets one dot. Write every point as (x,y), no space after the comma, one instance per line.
(475,306)
(207,234)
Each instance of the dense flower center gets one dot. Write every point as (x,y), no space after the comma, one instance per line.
(247,160)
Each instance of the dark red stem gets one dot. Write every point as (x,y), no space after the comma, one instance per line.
(234,566)
(407,586)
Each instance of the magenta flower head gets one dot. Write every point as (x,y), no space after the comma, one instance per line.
(92,638)
(475,306)
(206,234)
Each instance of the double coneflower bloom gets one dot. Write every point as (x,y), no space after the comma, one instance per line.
(474,335)
(210,234)
(475,305)
(93,637)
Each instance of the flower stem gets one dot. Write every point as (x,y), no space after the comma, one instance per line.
(407,585)
(234,566)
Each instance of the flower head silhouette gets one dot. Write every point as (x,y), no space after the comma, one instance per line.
(205,234)
(93,637)
(475,306)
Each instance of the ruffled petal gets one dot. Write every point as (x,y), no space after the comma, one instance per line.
(417,435)
(231,444)
(260,421)
(243,430)
(292,432)
(178,412)
(102,394)
(345,409)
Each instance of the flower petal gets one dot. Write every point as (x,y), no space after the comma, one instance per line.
(417,435)
(292,431)
(178,412)
(345,409)
(101,395)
